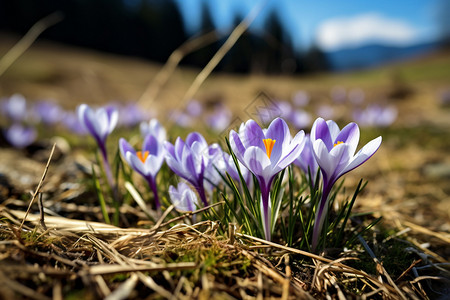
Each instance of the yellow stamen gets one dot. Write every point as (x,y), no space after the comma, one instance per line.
(143,158)
(269,143)
(338,143)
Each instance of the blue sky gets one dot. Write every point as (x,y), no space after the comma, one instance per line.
(332,24)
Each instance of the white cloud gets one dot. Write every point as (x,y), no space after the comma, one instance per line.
(339,33)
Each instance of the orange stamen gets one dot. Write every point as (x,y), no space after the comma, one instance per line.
(143,158)
(338,143)
(269,143)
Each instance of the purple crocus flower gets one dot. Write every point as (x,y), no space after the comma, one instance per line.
(20,136)
(182,197)
(71,121)
(154,128)
(130,114)
(189,160)
(194,108)
(219,119)
(100,123)
(147,162)
(49,112)
(300,119)
(375,116)
(306,160)
(301,98)
(265,153)
(334,150)
(15,107)
(181,118)
(214,166)
(231,169)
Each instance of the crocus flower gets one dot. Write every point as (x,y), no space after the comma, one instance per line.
(48,112)
(189,160)
(214,166)
(154,128)
(194,108)
(231,169)
(300,98)
(219,119)
(334,150)
(306,160)
(20,136)
(300,119)
(146,162)
(181,118)
(265,153)
(182,197)
(375,116)
(130,114)
(71,121)
(15,107)
(100,123)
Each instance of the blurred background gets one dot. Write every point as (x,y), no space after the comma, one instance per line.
(287,36)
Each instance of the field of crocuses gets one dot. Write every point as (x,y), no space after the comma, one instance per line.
(322,192)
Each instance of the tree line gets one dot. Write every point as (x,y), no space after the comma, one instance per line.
(153,29)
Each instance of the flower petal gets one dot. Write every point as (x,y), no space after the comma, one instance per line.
(288,158)
(125,147)
(196,137)
(190,166)
(113,118)
(153,164)
(349,135)
(364,154)
(136,164)
(252,135)
(170,149)
(341,156)
(278,131)
(179,146)
(323,158)
(320,131)
(258,163)
(151,145)
(236,145)
(85,116)
(333,128)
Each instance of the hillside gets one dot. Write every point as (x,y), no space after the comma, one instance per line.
(407,186)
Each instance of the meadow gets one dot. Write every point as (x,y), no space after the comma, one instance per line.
(65,236)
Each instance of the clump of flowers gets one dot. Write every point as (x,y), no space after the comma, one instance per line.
(20,136)
(20,132)
(253,170)
(334,151)
(182,197)
(189,160)
(265,154)
(375,116)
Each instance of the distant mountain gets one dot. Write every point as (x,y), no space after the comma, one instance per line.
(374,55)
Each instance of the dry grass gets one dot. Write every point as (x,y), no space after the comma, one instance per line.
(95,260)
